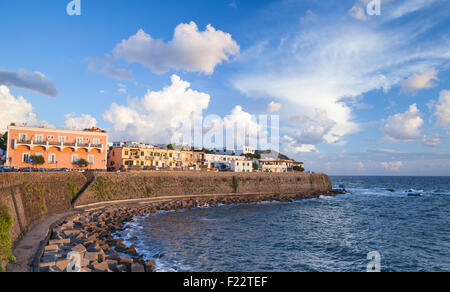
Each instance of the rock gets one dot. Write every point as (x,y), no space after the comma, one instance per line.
(79,248)
(391,190)
(101,267)
(51,248)
(92,256)
(47,264)
(59,241)
(137,268)
(63,264)
(150,266)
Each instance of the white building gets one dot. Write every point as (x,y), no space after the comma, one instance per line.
(241,166)
(221,162)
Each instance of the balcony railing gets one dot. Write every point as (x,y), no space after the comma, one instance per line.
(57,144)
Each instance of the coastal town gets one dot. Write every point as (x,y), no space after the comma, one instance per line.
(32,149)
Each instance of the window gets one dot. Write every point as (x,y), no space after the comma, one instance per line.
(96,141)
(142,154)
(74,158)
(126,152)
(26,157)
(38,139)
(91,159)
(52,158)
(79,141)
(38,154)
(50,137)
(142,163)
(61,139)
(22,137)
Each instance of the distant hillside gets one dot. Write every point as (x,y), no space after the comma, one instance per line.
(271,154)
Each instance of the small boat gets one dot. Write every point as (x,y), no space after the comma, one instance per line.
(415,195)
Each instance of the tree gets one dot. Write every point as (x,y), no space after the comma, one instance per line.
(170,147)
(37,160)
(82,163)
(299,168)
(255,166)
(4,141)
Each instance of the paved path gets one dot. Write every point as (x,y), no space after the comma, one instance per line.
(31,242)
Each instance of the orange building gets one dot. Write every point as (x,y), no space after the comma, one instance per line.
(60,148)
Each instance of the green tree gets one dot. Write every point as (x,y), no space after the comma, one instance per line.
(3,141)
(37,160)
(255,166)
(170,147)
(82,163)
(299,168)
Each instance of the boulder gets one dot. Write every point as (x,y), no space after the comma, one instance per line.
(137,268)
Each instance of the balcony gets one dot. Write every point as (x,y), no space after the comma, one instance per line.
(61,145)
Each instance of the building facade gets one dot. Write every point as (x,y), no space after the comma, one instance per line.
(242,166)
(59,148)
(278,165)
(149,158)
(221,162)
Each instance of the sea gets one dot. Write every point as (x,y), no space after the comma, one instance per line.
(377,226)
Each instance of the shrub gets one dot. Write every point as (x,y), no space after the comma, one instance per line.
(82,163)
(5,239)
(37,160)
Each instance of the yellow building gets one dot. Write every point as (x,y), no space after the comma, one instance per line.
(135,158)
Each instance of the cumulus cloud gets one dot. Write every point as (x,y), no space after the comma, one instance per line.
(432,140)
(443,110)
(308,17)
(404,126)
(292,147)
(157,116)
(274,107)
(79,123)
(420,81)
(313,130)
(15,110)
(190,49)
(36,82)
(392,166)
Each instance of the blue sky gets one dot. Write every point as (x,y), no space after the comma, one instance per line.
(356,93)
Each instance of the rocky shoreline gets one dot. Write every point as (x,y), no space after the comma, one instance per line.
(87,242)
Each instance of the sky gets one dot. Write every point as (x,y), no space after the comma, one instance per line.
(358,88)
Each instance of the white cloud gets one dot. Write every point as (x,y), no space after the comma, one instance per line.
(358,12)
(308,17)
(36,81)
(432,141)
(15,110)
(105,66)
(292,147)
(315,67)
(190,49)
(102,91)
(79,123)
(392,166)
(156,117)
(420,81)
(274,107)
(314,130)
(404,126)
(443,110)
(360,165)
(122,88)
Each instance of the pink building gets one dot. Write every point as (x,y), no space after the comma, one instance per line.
(60,148)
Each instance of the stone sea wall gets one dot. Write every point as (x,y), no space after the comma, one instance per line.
(141,185)
(32,197)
